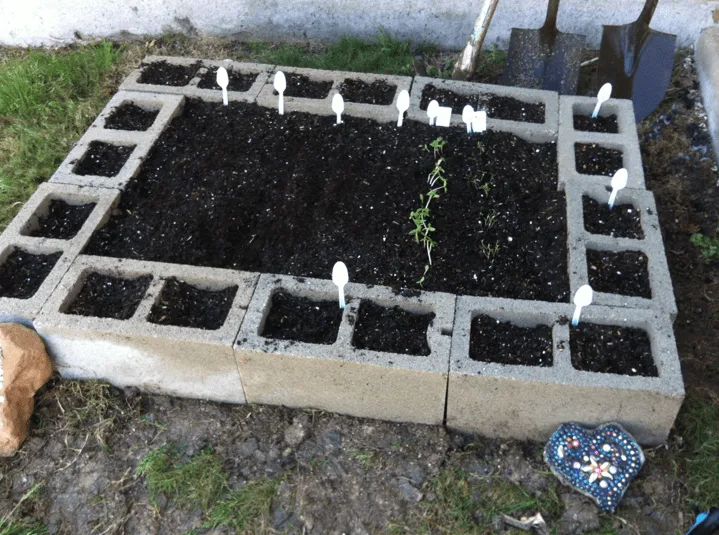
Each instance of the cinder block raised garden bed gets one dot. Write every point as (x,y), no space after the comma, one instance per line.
(193,245)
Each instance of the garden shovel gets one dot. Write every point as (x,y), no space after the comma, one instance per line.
(637,61)
(545,58)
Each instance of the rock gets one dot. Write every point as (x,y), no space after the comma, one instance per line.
(295,434)
(24,367)
(580,515)
(409,493)
(247,448)
(415,474)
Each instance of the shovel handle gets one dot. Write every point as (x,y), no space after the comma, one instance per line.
(550,23)
(647,13)
(468,59)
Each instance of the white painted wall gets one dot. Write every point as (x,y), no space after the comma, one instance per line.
(444,22)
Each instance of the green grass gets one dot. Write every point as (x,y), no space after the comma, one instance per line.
(699,425)
(10,526)
(708,246)
(244,509)
(47,100)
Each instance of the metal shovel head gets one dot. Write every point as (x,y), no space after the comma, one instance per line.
(638,68)
(537,61)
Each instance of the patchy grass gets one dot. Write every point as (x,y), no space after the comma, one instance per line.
(11,526)
(246,509)
(709,246)
(699,425)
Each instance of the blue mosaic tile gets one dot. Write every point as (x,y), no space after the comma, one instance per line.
(600,463)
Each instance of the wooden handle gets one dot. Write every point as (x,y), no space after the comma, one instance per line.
(550,23)
(647,13)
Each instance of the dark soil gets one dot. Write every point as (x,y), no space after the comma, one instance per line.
(306,194)
(391,330)
(492,340)
(104,296)
(299,85)
(103,159)
(22,273)
(302,319)
(237,81)
(595,160)
(186,305)
(611,349)
(622,221)
(62,221)
(163,73)
(624,273)
(607,125)
(129,116)
(378,92)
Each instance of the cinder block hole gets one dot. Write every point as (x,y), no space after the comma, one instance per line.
(502,342)
(238,81)
(185,305)
(302,319)
(22,273)
(134,116)
(378,92)
(605,122)
(592,159)
(391,330)
(103,159)
(107,296)
(58,219)
(612,349)
(299,85)
(624,272)
(622,221)
(164,73)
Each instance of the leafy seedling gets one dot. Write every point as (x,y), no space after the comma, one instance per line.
(280,85)
(468,116)
(604,93)
(432,111)
(340,277)
(402,105)
(338,106)
(223,80)
(619,181)
(582,298)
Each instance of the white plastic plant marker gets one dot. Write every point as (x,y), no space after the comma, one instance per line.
(479,121)
(604,93)
(223,80)
(619,181)
(444,116)
(338,106)
(468,116)
(432,111)
(402,105)
(582,298)
(340,277)
(280,85)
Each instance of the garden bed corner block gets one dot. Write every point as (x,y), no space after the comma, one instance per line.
(164,359)
(17,237)
(526,402)
(625,140)
(339,377)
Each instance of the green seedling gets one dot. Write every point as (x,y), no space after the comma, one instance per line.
(489,251)
(437,145)
(708,246)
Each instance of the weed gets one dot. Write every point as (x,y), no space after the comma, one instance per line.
(489,251)
(699,424)
(363,457)
(489,221)
(8,526)
(158,425)
(708,246)
(245,508)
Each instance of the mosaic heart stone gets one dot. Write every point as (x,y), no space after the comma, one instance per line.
(600,463)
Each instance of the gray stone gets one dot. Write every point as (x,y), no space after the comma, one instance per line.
(580,515)
(408,492)
(295,434)
(247,448)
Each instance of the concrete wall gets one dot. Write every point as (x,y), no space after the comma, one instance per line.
(444,22)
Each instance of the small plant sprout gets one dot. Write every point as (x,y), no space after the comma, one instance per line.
(582,298)
(468,116)
(619,181)
(432,111)
(223,80)
(489,251)
(340,277)
(402,105)
(338,106)
(437,146)
(604,93)
(280,85)
(479,121)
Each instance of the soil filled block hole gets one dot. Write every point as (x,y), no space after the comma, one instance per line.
(379,92)
(496,106)
(612,349)
(104,296)
(103,159)
(302,319)
(22,273)
(622,221)
(129,116)
(624,273)
(595,160)
(237,81)
(391,330)
(492,340)
(163,73)
(63,220)
(299,85)
(605,125)
(185,305)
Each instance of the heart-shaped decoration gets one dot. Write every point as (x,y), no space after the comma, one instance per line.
(600,463)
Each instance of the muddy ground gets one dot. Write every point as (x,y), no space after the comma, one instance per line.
(335,474)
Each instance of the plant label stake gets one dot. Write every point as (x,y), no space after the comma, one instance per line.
(619,181)
(338,106)
(468,116)
(432,111)
(402,105)
(280,86)
(340,278)
(444,116)
(582,298)
(222,81)
(479,121)
(604,93)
